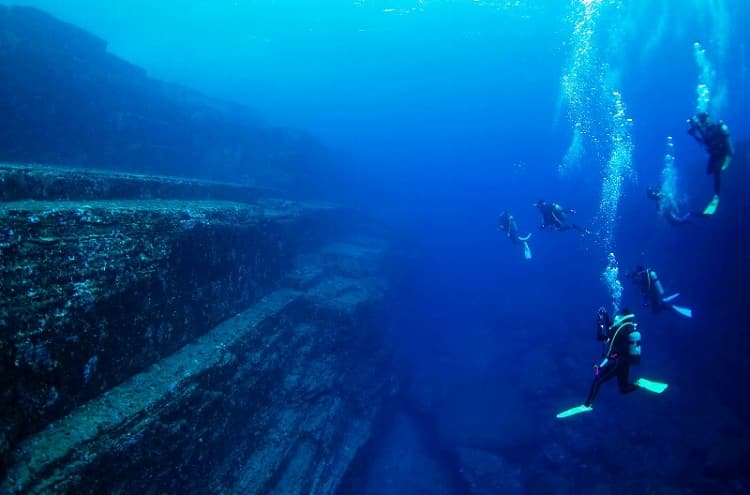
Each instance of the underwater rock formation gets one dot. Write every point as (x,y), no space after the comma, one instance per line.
(489,474)
(67,101)
(182,345)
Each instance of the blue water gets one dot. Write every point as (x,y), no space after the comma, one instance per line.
(449,112)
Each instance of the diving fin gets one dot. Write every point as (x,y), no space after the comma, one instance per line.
(526,250)
(711,208)
(573,411)
(651,386)
(673,296)
(686,312)
(526,238)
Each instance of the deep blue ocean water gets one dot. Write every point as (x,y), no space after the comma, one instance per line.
(446,113)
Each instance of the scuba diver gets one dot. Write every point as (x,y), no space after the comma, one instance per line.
(507,224)
(622,349)
(554,216)
(652,289)
(714,136)
(670,212)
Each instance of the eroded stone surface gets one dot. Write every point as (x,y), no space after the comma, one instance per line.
(280,395)
(126,339)
(40,183)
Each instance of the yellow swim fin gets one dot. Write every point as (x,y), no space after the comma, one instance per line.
(651,386)
(573,411)
(711,208)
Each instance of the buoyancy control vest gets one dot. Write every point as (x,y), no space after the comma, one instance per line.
(624,324)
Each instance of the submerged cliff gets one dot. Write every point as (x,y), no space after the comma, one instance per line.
(66,100)
(165,334)
(229,343)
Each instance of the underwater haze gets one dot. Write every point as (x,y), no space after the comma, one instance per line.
(440,115)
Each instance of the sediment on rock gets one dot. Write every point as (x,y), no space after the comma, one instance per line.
(133,327)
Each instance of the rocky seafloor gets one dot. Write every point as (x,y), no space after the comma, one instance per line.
(478,418)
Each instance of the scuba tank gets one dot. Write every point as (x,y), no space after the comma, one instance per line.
(634,346)
(654,279)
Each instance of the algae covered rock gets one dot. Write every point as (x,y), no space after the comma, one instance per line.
(137,330)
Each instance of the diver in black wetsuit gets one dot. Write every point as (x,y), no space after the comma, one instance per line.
(651,288)
(622,349)
(714,136)
(507,224)
(554,216)
(670,214)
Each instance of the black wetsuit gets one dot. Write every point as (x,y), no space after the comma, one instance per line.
(618,360)
(671,215)
(508,225)
(714,136)
(554,216)
(650,286)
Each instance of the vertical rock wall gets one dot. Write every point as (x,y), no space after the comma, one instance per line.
(183,345)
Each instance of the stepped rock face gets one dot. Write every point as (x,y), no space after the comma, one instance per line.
(232,343)
(66,100)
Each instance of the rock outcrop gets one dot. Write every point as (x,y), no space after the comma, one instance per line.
(232,343)
(66,100)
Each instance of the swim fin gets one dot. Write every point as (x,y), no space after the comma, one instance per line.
(573,411)
(711,208)
(686,312)
(673,296)
(526,251)
(651,386)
